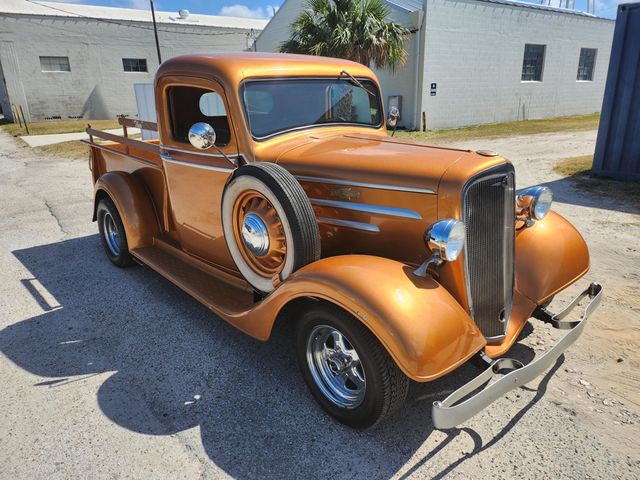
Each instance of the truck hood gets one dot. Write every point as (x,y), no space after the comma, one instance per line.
(377,159)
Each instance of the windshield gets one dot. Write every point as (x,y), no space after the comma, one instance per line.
(273,106)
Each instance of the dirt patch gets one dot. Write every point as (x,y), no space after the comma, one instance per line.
(578,171)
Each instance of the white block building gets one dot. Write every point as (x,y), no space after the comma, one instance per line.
(64,60)
(486,61)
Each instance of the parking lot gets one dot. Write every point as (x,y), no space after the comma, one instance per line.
(111,373)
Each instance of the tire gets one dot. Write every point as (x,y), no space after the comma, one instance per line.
(269,225)
(381,387)
(112,234)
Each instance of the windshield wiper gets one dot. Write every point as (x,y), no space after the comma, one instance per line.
(357,82)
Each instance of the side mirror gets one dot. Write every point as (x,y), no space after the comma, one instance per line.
(394,115)
(202,136)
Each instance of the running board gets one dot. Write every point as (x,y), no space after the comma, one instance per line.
(218,292)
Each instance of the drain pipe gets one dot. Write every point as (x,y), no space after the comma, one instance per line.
(419,63)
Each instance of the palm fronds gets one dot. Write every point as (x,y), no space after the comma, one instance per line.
(353,29)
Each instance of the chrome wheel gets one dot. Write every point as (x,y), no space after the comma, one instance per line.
(335,367)
(110,232)
(255,235)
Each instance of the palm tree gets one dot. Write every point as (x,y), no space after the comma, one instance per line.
(353,29)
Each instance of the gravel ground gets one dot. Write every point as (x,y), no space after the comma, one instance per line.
(110,373)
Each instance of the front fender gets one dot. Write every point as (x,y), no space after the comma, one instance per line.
(420,324)
(550,256)
(134,206)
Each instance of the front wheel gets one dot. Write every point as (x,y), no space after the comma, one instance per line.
(346,368)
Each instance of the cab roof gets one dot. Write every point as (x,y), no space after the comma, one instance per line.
(233,68)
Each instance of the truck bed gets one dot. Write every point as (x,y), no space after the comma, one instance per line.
(146,151)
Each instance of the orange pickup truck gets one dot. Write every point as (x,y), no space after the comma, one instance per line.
(275,194)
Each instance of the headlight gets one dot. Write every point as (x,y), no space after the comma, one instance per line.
(446,237)
(536,200)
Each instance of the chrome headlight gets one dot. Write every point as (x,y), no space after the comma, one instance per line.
(446,238)
(535,202)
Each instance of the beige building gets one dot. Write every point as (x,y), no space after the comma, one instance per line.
(486,61)
(64,60)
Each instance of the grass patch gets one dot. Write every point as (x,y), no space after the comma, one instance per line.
(578,169)
(58,126)
(496,130)
(574,166)
(72,149)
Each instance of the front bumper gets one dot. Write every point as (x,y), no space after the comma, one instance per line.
(453,410)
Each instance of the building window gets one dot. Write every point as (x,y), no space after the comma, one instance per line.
(134,64)
(533,62)
(55,64)
(586,64)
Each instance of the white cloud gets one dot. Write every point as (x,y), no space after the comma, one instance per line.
(239,10)
(139,4)
(608,8)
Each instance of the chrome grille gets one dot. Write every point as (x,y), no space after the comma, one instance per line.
(488,204)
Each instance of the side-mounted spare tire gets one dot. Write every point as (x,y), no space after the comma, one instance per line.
(269,224)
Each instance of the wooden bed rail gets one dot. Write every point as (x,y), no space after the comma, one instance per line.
(126,141)
(135,123)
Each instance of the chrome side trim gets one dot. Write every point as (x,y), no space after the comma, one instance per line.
(380,186)
(459,407)
(192,152)
(366,208)
(168,159)
(367,227)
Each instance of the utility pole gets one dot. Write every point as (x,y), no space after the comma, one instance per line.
(155,31)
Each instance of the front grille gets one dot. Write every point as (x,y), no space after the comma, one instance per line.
(488,205)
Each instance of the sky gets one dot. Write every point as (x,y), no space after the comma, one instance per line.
(266,8)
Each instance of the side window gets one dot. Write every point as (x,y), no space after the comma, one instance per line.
(189,105)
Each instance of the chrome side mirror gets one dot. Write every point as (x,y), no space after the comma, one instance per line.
(202,136)
(394,115)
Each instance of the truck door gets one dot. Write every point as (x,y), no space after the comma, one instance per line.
(196,178)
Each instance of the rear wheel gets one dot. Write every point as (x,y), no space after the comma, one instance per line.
(346,368)
(112,234)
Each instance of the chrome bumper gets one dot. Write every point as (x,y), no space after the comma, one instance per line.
(451,411)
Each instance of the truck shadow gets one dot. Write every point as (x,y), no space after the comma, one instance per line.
(169,365)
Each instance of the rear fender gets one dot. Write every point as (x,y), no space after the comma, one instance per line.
(134,206)
(420,324)
(550,256)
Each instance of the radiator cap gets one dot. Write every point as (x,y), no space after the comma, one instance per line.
(487,153)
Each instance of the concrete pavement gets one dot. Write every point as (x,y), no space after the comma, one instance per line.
(111,373)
